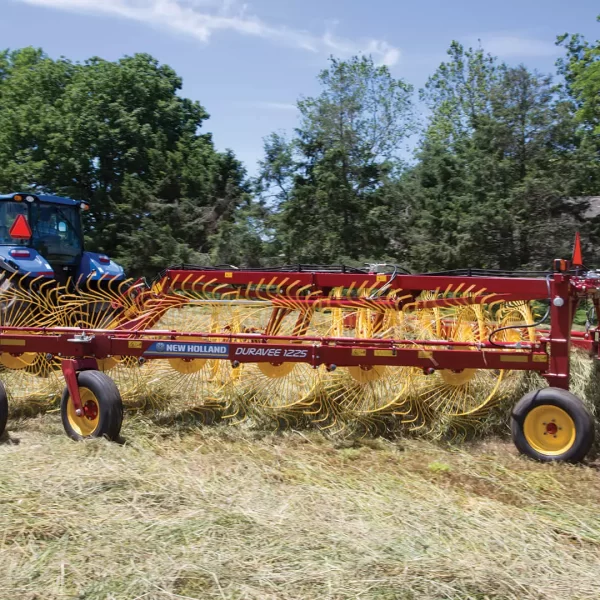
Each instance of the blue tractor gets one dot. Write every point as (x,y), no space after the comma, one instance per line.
(42,237)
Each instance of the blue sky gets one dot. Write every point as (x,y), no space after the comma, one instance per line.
(248,62)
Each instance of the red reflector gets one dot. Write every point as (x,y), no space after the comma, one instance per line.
(20,229)
(20,253)
(104,259)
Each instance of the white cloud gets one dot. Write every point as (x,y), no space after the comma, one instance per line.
(202,18)
(517,46)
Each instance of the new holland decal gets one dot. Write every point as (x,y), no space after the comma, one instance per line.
(188,350)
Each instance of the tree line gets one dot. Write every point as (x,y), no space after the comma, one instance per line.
(500,175)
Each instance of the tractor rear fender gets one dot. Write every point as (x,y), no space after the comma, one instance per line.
(95,266)
(24,260)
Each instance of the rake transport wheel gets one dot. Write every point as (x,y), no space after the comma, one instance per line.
(552,425)
(3,408)
(101,404)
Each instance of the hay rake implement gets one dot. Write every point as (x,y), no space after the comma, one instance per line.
(336,347)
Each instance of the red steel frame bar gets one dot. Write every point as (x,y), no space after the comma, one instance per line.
(93,344)
(508,288)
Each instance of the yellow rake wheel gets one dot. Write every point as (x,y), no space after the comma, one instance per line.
(196,383)
(363,395)
(106,364)
(517,316)
(280,388)
(35,386)
(17,361)
(130,377)
(464,394)
(29,302)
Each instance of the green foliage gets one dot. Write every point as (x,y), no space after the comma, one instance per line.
(326,188)
(118,135)
(495,168)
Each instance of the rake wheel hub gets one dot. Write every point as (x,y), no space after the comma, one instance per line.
(276,370)
(457,378)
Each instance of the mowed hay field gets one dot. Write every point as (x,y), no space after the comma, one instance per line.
(231,512)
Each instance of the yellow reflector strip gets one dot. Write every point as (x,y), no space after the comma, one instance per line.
(385,353)
(516,358)
(9,342)
(359,352)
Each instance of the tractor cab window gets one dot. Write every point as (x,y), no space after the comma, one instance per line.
(56,232)
(9,211)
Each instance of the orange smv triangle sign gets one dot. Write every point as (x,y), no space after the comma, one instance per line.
(577,260)
(20,229)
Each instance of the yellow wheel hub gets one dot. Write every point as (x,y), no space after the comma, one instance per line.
(549,430)
(186,366)
(457,378)
(17,362)
(106,364)
(88,422)
(367,374)
(276,370)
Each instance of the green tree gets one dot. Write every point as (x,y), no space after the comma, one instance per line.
(325,187)
(494,168)
(118,135)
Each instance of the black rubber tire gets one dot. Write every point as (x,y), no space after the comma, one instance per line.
(573,406)
(3,408)
(109,403)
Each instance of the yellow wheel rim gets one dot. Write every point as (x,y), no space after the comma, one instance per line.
(367,374)
(549,430)
(457,379)
(86,424)
(17,362)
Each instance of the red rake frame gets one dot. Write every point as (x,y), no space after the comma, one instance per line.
(549,355)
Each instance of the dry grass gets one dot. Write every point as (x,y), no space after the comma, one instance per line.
(228,512)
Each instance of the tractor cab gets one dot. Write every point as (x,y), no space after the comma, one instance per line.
(42,236)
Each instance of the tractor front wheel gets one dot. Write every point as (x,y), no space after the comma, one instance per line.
(102,408)
(552,425)
(3,408)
